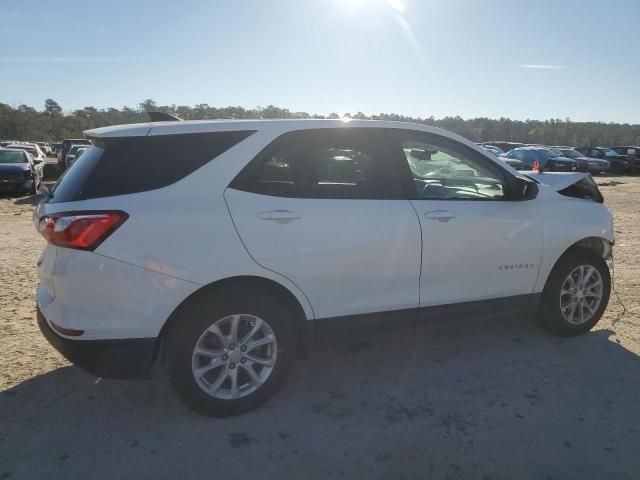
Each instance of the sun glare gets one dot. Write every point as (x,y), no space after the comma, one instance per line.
(397,5)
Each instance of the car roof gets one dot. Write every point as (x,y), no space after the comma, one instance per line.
(531,147)
(273,126)
(8,149)
(19,145)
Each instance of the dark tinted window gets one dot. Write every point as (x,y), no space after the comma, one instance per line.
(326,163)
(136,164)
(8,156)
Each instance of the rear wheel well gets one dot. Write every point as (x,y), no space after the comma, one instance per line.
(272,288)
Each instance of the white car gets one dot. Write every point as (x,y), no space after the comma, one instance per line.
(33,149)
(216,244)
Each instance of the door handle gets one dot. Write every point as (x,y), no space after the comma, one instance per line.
(280,216)
(440,215)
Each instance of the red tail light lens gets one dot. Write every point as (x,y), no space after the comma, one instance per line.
(81,230)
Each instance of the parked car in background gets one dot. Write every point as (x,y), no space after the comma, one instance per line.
(34,150)
(629,151)
(504,146)
(74,153)
(490,148)
(49,165)
(56,147)
(549,160)
(513,162)
(19,171)
(619,163)
(64,151)
(591,165)
(291,234)
(44,146)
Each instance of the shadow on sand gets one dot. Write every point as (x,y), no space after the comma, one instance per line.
(496,398)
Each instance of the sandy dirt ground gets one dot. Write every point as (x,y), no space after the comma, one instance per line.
(496,398)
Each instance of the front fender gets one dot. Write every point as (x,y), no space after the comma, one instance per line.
(566,222)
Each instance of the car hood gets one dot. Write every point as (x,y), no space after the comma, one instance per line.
(13,167)
(557,180)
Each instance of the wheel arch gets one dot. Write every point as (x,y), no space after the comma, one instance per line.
(290,301)
(598,245)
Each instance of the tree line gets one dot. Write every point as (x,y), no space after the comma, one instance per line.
(51,123)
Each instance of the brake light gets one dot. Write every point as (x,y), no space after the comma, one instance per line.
(81,230)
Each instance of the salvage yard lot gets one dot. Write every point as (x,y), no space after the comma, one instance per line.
(489,399)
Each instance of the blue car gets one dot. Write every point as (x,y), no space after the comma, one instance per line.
(549,159)
(19,172)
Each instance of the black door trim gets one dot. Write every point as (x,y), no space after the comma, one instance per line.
(517,304)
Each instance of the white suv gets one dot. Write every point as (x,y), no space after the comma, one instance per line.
(215,244)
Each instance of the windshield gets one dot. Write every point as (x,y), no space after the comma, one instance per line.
(7,156)
(555,153)
(571,153)
(546,154)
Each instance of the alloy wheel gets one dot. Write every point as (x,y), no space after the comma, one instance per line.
(234,356)
(581,294)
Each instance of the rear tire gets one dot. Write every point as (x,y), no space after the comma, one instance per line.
(201,339)
(576,293)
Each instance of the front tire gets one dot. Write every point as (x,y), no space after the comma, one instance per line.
(34,187)
(576,294)
(229,353)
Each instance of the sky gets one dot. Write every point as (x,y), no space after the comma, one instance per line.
(577,59)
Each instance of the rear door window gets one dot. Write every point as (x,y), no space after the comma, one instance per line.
(121,166)
(345,163)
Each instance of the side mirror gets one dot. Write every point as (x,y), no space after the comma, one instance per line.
(422,155)
(523,189)
(37,160)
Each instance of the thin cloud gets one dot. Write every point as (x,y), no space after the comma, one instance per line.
(544,67)
(62,60)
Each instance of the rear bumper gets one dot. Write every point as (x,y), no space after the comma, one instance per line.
(125,358)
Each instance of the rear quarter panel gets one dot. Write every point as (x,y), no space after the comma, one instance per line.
(184,231)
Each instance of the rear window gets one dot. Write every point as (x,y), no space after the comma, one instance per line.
(121,166)
(7,156)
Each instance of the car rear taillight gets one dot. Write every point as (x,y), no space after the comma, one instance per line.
(81,230)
